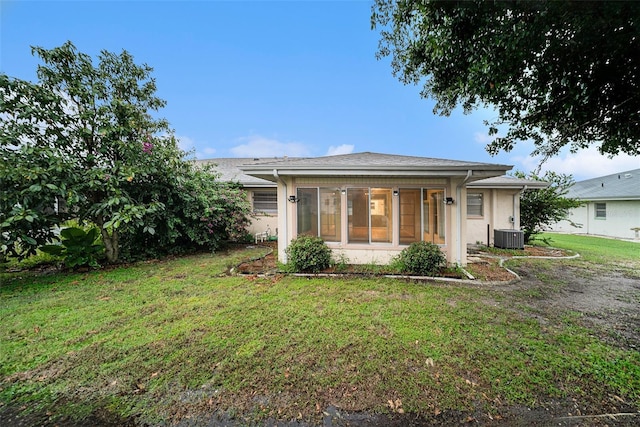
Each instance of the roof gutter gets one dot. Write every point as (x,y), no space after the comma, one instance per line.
(518,194)
(459,215)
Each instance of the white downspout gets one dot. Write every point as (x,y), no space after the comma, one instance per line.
(282,231)
(518,194)
(459,216)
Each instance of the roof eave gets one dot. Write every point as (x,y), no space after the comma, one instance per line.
(396,172)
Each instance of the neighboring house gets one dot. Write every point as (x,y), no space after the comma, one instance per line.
(369,206)
(261,193)
(612,206)
(494,204)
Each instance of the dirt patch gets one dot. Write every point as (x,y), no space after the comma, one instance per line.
(604,299)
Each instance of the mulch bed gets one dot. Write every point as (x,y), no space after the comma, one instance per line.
(483,265)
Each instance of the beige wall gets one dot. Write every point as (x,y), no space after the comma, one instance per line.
(262,221)
(455,231)
(500,206)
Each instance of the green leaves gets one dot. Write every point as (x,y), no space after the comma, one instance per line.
(79,247)
(558,73)
(544,207)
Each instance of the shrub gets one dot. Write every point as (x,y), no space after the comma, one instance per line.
(79,247)
(308,254)
(421,258)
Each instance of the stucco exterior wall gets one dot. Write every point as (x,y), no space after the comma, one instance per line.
(501,208)
(262,221)
(621,217)
(455,230)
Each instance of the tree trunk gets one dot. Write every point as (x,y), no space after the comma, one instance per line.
(111,244)
(111,247)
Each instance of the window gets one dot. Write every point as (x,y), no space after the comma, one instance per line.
(370,216)
(358,215)
(433,216)
(601,210)
(474,204)
(421,215)
(265,201)
(308,211)
(410,214)
(330,213)
(327,202)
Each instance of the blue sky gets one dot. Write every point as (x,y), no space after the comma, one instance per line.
(269,78)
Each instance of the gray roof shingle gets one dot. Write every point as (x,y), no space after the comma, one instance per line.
(372,164)
(617,186)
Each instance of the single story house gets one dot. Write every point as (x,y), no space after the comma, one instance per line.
(370,206)
(611,206)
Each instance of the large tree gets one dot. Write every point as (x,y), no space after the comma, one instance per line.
(558,72)
(83,138)
(91,127)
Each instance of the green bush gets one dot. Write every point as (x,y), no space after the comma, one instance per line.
(421,258)
(308,254)
(79,247)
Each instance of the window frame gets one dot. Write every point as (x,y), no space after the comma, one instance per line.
(272,194)
(600,210)
(481,205)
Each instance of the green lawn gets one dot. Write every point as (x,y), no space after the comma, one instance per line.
(598,249)
(161,340)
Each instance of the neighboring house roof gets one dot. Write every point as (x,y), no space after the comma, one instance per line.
(508,182)
(617,186)
(372,164)
(229,170)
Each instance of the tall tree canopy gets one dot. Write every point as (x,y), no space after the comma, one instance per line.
(558,72)
(84,134)
(85,125)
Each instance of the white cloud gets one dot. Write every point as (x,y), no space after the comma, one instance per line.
(259,146)
(483,138)
(340,149)
(584,164)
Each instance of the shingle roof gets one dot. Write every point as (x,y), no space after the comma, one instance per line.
(617,186)
(229,170)
(372,164)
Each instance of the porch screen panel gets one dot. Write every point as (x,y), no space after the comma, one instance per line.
(358,215)
(381,215)
(330,212)
(433,216)
(409,215)
(307,208)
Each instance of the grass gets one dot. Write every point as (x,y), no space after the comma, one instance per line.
(164,339)
(596,249)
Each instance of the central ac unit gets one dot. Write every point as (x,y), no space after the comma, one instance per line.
(508,239)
